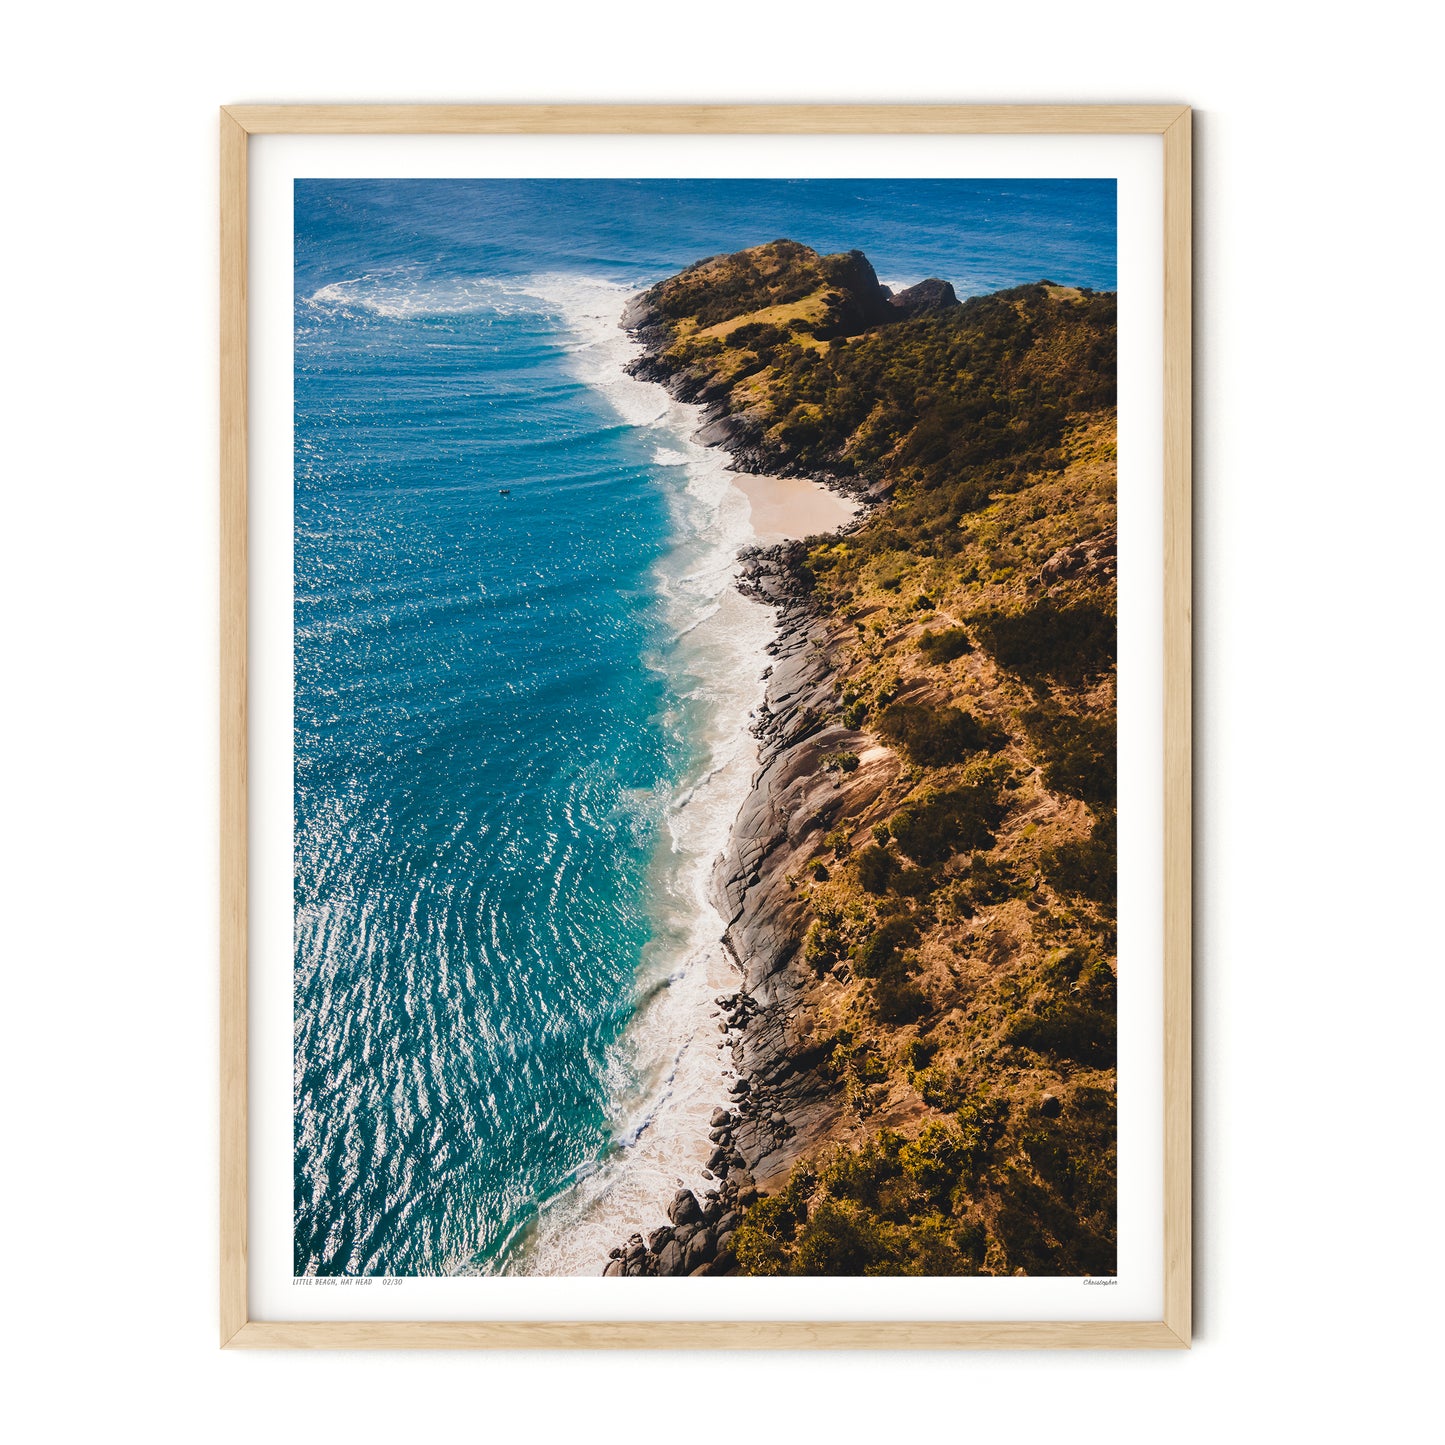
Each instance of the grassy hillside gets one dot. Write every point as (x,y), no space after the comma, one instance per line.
(960,930)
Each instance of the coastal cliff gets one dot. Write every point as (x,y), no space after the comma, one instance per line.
(919,888)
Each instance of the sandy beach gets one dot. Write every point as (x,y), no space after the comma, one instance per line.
(785,508)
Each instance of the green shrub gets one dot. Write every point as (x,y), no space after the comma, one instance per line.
(946,645)
(840,762)
(875,868)
(882,949)
(936,736)
(917,1053)
(982,1119)
(1088,868)
(842,1240)
(758,336)
(940,1248)
(898,1000)
(939,825)
(822,945)
(1075,1156)
(865,1066)
(935,1161)
(939,1088)
(1079,754)
(1068,643)
(762,1238)
(990,881)
(1080,1025)
(862,1174)
(892,1206)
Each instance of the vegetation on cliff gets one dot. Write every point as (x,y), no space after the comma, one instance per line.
(958,954)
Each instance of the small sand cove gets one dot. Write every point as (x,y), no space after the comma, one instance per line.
(788,508)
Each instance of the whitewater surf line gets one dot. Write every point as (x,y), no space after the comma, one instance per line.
(668,1071)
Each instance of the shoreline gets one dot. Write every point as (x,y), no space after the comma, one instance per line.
(668,1069)
(780,1103)
(690,1088)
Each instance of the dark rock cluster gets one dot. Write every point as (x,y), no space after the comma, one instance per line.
(929,295)
(698,1237)
(1095,557)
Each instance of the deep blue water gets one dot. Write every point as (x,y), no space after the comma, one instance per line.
(505,572)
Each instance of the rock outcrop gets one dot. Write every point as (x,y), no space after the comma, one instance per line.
(793,801)
(922,914)
(698,1240)
(926,296)
(1094,559)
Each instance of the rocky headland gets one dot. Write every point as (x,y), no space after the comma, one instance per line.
(918,888)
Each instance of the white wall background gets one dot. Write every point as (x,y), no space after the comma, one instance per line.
(1319,864)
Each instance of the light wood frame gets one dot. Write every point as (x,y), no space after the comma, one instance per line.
(1172,124)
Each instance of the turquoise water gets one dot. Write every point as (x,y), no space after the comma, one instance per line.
(522,688)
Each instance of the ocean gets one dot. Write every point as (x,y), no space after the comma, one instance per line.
(523,686)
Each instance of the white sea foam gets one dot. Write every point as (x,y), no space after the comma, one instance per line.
(405,293)
(668,1073)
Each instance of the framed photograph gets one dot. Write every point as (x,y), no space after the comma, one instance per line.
(705,726)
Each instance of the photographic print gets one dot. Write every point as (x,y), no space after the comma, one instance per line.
(704,728)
